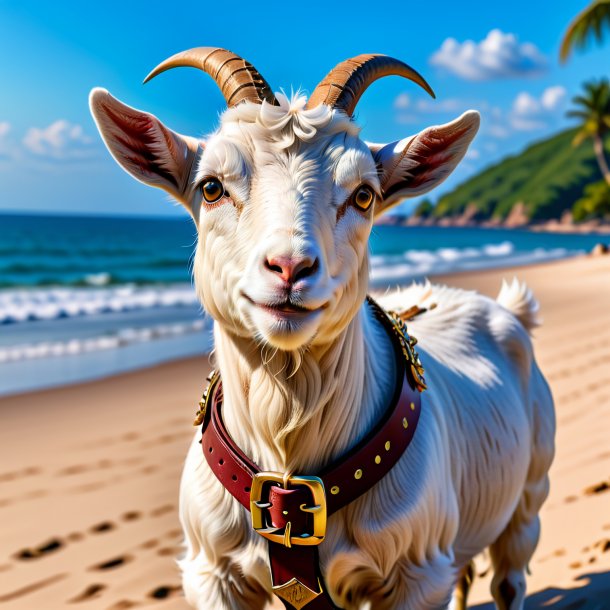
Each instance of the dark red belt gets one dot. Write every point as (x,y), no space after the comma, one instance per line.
(292,512)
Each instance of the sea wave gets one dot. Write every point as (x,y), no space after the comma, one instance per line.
(414,264)
(22,305)
(121,338)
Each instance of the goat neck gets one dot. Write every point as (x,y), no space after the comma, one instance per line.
(296,411)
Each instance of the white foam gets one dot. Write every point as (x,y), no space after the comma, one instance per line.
(20,305)
(120,338)
(414,264)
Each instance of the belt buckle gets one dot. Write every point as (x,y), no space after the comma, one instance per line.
(318,510)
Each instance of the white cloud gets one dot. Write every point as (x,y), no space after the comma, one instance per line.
(499,55)
(438,106)
(553,97)
(497,131)
(473,154)
(402,101)
(6,150)
(525,104)
(411,111)
(60,140)
(530,113)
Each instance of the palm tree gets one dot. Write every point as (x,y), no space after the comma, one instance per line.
(586,24)
(594,112)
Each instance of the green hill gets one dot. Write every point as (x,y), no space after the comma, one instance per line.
(548,177)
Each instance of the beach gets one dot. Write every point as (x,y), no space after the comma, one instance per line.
(89,473)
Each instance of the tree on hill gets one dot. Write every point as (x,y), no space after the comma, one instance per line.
(587,24)
(595,202)
(593,109)
(424,209)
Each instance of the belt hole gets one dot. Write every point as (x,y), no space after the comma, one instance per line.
(234,477)
(211,449)
(358,474)
(247,490)
(221,461)
(334,490)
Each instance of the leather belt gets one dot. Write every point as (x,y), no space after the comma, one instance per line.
(291,512)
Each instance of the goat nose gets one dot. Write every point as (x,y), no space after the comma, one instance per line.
(292,269)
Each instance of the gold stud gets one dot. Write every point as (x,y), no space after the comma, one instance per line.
(377,459)
(358,474)
(334,490)
(412,406)
(284,512)
(387,445)
(405,423)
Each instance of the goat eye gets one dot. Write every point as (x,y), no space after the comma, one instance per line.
(363,197)
(212,190)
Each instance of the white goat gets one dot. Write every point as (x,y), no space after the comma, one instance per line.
(284,195)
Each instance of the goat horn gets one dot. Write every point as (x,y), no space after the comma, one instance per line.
(238,79)
(345,84)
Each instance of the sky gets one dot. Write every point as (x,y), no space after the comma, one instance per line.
(496,57)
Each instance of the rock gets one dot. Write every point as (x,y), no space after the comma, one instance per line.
(599,250)
(517,217)
(467,217)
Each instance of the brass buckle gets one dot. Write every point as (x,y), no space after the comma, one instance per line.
(318,510)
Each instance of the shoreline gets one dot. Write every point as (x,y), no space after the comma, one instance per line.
(551,226)
(101,461)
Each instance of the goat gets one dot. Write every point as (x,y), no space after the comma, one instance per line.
(284,195)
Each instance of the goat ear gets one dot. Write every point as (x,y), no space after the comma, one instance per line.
(144,147)
(417,164)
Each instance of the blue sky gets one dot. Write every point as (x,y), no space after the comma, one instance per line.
(498,58)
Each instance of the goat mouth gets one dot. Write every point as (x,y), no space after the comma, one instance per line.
(284,308)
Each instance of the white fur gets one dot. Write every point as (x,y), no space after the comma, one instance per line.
(299,393)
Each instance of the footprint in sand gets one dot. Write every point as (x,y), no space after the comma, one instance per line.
(75,537)
(169,551)
(597,489)
(164,591)
(19,474)
(43,549)
(603,545)
(56,543)
(91,592)
(101,528)
(149,544)
(110,564)
(132,515)
(123,604)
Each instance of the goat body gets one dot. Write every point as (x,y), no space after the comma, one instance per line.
(474,476)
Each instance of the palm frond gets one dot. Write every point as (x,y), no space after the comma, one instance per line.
(589,23)
(580,137)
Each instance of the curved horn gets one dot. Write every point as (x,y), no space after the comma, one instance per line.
(344,85)
(238,79)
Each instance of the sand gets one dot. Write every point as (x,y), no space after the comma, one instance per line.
(89,474)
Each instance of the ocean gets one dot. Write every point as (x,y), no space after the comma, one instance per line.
(86,297)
